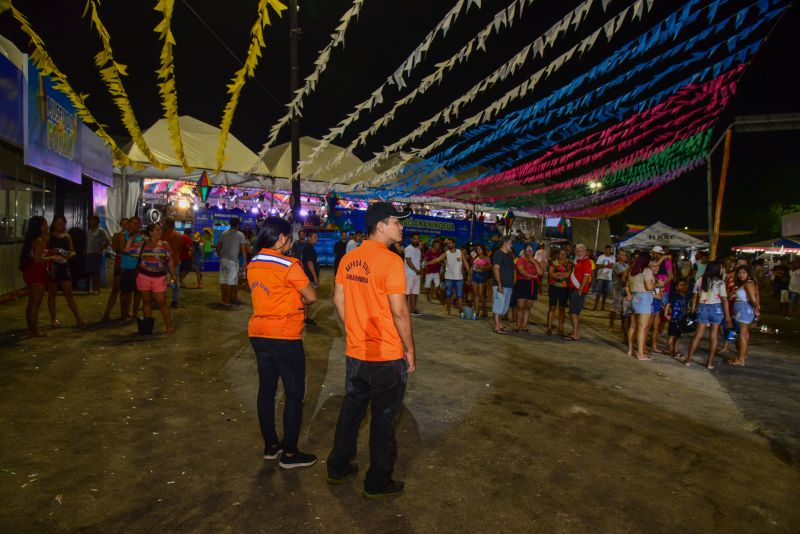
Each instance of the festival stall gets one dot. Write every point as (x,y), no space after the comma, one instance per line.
(778,246)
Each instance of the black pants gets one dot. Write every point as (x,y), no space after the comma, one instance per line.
(382,384)
(284,359)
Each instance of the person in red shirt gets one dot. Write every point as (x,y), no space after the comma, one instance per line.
(370,297)
(176,243)
(579,283)
(186,255)
(432,276)
(279,289)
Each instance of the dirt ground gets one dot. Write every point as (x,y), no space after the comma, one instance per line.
(105,430)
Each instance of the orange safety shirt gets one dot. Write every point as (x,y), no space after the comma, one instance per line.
(369,274)
(275,282)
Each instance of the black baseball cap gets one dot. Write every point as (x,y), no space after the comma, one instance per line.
(380,211)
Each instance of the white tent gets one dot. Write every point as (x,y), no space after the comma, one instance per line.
(278,161)
(664,236)
(200,142)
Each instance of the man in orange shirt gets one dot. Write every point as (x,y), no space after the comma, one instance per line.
(279,290)
(370,298)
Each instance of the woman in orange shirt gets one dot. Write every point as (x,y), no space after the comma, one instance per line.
(279,290)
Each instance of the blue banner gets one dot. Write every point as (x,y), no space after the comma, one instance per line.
(219,220)
(95,157)
(11,88)
(51,128)
(426,226)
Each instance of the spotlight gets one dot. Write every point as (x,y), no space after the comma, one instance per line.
(254,210)
(194,207)
(595,186)
(303,213)
(273,211)
(183,204)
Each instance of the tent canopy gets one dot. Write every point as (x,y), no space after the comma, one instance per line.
(200,142)
(278,161)
(785,245)
(662,235)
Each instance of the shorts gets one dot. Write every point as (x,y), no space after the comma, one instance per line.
(432,278)
(558,296)
(501,301)
(708,314)
(127,280)
(35,274)
(228,272)
(118,264)
(526,289)
(156,284)
(794,296)
(187,266)
(656,305)
(412,284)
(453,285)
(478,277)
(642,302)
(199,261)
(576,300)
(59,272)
(94,263)
(602,287)
(743,312)
(783,296)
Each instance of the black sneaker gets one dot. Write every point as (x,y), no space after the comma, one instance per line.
(174,305)
(393,488)
(351,471)
(273,451)
(298,459)
(416,313)
(310,322)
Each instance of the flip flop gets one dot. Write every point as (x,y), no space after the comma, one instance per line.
(569,338)
(645,359)
(56,324)
(500,331)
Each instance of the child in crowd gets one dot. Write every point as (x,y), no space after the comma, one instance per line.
(677,310)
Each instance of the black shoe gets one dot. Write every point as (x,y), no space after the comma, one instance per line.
(310,322)
(416,313)
(298,459)
(394,487)
(273,451)
(350,472)
(174,305)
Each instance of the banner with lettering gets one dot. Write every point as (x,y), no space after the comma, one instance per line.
(51,128)
(426,226)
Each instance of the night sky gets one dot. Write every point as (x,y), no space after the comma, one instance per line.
(764,166)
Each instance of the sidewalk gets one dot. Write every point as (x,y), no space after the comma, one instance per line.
(106,430)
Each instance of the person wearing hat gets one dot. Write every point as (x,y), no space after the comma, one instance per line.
(370,297)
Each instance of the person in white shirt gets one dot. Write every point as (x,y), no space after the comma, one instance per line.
(794,286)
(231,244)
(413,265)
(353,243)
(602,286)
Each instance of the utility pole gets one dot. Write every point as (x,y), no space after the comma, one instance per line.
(294,85)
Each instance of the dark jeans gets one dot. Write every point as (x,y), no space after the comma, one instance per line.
(383,384)
(284,359)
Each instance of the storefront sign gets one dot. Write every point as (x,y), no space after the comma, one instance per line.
(95,157)
(424,225)
(51,128)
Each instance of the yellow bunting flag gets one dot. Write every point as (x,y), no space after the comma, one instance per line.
(112,73)
(166,87)
(247,71)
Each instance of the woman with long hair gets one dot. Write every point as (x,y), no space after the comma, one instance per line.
(33,261)
(59,275)
(481,265)
(639,291)
(707,303)
(151,278)
(746,309)
(558,293)
(526,288)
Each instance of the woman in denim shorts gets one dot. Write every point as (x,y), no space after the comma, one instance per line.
(746,309)
(639,291)
(707,303)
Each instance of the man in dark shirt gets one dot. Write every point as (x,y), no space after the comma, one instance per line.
(311,267)
(339,250)
(502,283)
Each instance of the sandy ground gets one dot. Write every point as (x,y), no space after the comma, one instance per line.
(105,430)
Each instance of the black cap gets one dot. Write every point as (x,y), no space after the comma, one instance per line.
(381,210)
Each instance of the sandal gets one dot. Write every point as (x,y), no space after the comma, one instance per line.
(548,332)
(502,331)
(56,324)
